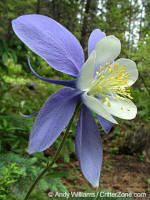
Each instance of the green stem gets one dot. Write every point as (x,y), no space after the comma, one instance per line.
(56,155)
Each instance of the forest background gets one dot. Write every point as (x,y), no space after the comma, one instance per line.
(126,148)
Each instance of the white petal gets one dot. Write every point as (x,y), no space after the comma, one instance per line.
(106,49)
(87,72)
(130,68)
(121,109)
(96,106)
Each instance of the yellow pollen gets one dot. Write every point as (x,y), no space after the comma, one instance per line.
(129,95)
(126,82)
(121,78)
(100,89)
(109,70)
(100,68)
(108,104)
(106,99)
(102,77)
(116,66)
(111,81)
(121,69)
(126,76)
(107,64)
(121,108)
(120,97)
(127,100)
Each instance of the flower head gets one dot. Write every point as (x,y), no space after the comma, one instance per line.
(106,83)
(102,84)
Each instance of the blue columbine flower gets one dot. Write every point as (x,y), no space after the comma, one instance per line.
(101,83)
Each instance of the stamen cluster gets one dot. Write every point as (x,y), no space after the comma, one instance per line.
(111,81)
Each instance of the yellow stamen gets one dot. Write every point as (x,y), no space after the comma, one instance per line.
(107,64)
(100,68)
(97,73)
(108,104)
(111,80)
(109,70)
(102,77)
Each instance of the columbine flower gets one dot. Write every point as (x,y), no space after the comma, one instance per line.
(101,83)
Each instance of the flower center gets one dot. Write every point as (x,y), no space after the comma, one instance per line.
(111,81)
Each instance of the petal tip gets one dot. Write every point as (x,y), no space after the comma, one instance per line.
(96,184)
(12,21)
(115,122)
(30,151)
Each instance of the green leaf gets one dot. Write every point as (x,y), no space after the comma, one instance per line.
(59,174)
(4,57)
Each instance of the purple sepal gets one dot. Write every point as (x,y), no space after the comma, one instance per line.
(95,37)
(69,83)
(51,41)
(89,147)
(106,125)
(52,119)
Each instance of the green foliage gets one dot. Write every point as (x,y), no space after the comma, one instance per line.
(12,53)
(148,181)
(7,52)
(139,156)
(8,177)
(142,99)
(13,132)
(23,171)
(16,173)
(114,150)
(68,149)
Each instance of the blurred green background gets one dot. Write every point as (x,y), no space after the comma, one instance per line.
(126,148)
